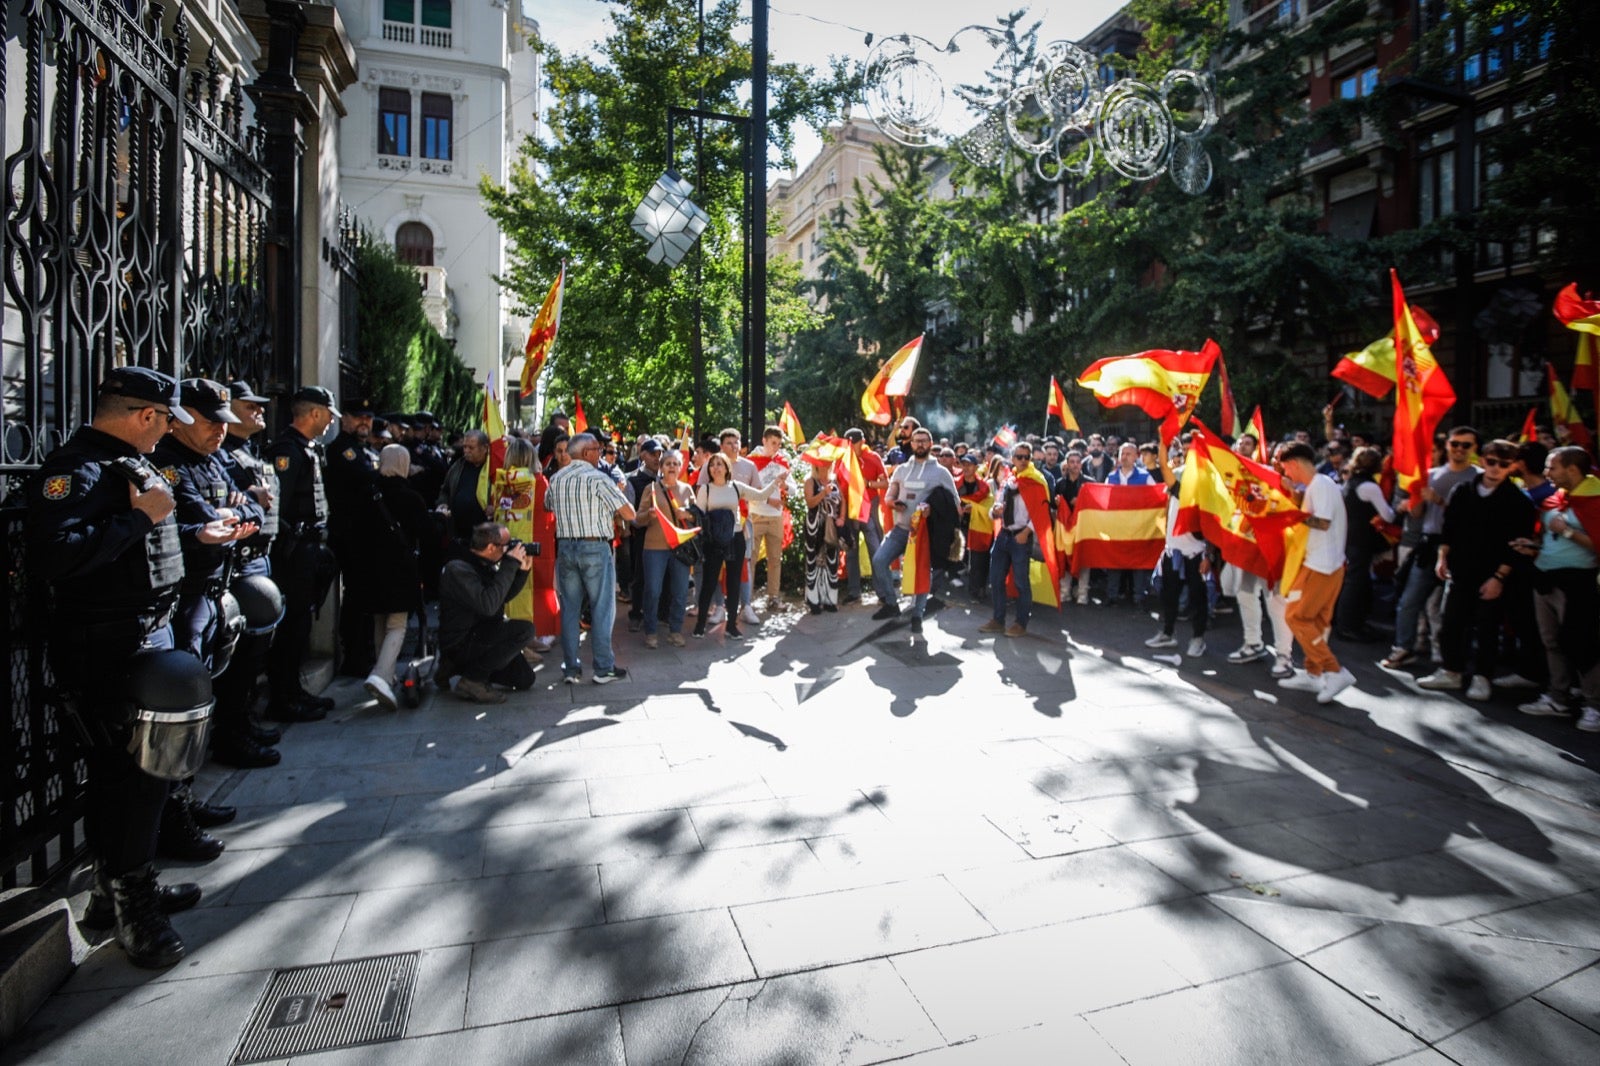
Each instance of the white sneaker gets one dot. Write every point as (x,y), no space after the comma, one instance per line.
(749,616)
(1301,681)
(1441,679)
(1196,648)
(1250,653)
(1333,684)
(1282,667)
(717,616)
(1083,597)
(1514,681)
(380,690)
(1590,722)
(1479,689)
(1162,640)
(692,609)
(1545,706)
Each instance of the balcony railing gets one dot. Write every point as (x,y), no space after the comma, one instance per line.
(408,33)
(401,32)
(434,37)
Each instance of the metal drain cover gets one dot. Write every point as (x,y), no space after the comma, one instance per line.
(330,1005)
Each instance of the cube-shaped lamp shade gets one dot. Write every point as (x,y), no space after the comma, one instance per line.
(668,220)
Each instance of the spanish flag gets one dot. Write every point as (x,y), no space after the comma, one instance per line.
(1236,504)
(1530,427)
(1577,313)
(1424,395)
(1584,502)
(1163,384)
(1119,527)
(1372,368)
(1058,407)
(789,422)
(675,535)
(980,527)
(1563,413)
(542,335)
(892,379)
(1044,575)
(494,424)
(580,421)
(1259,428)
(841,455)
(916,569)
(1230,412)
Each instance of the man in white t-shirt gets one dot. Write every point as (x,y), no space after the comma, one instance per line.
(909,488)
(766,514)
(1316,587)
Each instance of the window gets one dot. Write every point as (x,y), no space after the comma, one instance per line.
(399,10)
(413,244)
(436,136)
(435,13)
(1357,84)
(394,122)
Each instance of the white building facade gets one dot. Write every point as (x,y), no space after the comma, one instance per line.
(447,91)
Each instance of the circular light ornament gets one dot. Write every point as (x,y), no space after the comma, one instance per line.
(1135,130)
(1029,129)
(904,94)
(1070,83)
(985,144)
(1190,101)
(1191,166)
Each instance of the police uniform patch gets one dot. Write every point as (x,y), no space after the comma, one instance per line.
(350,453)
(282,462)
(58,487)
(171,474)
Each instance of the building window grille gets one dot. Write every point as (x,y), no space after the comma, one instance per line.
(413,244)
(436,122)
(394,122)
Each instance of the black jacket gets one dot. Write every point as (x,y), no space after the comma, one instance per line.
(382,571)
(472,591)
(1479,529)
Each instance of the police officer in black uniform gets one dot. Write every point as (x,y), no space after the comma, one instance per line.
(352,475)
(240,739)
(301,563)
(101,533)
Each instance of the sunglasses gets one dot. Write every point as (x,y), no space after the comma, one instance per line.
(1460,443)
(1506,463)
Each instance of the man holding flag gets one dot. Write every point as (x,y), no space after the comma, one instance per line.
(1316,586)
(912,486)
(1023,520)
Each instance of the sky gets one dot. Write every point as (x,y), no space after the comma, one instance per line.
(809,31)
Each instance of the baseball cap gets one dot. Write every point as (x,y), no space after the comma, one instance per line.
(147,385)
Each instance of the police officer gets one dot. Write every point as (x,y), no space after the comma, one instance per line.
(352,475)
(301,563)
(428,461)
(101,533)
(239,739)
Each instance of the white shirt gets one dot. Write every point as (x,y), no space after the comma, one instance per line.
(1187,544)
(774,476)
(1325,547)
(912,482)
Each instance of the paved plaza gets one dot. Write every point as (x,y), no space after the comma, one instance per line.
(833,844)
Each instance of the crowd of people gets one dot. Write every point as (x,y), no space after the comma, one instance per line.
(185,553)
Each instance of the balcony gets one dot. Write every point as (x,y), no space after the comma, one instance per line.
(427,36)
(436,299)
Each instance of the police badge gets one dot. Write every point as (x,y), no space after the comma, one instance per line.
(171,474)
(58,487)
(282,462)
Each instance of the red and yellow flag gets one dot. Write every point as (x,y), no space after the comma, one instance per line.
(580,421)
(494,424)
(916,568)
(675,535)
(1584,501)
(1230,412)
(1163,384)
(1058,407)
(1236,504)
(789,422)
(1577,313)
(542,334)
(980,527)
(1530,427)
(892,379)
(1259,428)
(1564,414)
(1119,527)
(1372,368)
(1421,400)
(841,455)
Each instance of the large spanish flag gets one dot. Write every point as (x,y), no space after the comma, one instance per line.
(1058,407)
(980,527)
(1236,504)
(841,455)
(1044,575)
(1163,384)
(1423,396)
(1372,369)
(542,334)
(494,424)
(916,568)
(1577,313)
(789,422)
(546,606)
(892,379)
(1119,527)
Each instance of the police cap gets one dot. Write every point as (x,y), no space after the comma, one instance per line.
(424,418)
(209,398)
(318,395)
(241,390)
(146,385)
(361,406)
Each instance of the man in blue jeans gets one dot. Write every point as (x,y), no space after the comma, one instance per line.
(914,481)
(1012,551)
(587,505)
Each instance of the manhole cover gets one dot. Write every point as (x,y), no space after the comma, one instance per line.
(330,1005)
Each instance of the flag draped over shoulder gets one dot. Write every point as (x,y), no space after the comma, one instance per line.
(1044,574)
(841,455)
(1119,527)
(1058,407)
(1372,369)
(494,424)
(1163,384)
(892,379)
(546,607)
(542,334)
(1583,501)
(916,568)
(1424,395)
(789,422)
(980,527)
(1236,504)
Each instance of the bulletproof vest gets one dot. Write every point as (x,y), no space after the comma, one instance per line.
(208,478)
(309,505)
(162,568)
(254,471)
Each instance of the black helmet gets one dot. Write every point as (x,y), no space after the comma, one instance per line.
(230,625)
(171,695)
(260,602)
(168,680)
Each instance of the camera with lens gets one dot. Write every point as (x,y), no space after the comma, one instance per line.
(513,543)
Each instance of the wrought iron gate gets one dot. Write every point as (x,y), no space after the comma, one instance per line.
(135,203)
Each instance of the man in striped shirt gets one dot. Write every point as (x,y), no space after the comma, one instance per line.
(586,504)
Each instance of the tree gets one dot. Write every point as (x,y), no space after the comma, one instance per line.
(626,325)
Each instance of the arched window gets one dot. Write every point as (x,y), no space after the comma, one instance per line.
(413,244)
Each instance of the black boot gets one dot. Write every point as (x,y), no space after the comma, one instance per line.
(180,838)
(261,733)
(101,913)
(241,750)
(294,711)
(211,815)
(141,927)
(321,703)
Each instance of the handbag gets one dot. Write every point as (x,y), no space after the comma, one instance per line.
(690,552)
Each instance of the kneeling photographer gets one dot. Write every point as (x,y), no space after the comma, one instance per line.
(479,642)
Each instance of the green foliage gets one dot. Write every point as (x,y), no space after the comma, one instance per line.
(405,364)
(627,326)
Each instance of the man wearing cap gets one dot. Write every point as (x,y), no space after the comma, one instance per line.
(101,532)
(352,475)
(428,462)
(301,563)
(236,688)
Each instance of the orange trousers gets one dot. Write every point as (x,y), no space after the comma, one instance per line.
(1310,616)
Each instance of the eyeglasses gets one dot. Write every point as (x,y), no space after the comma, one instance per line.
(1460,443)
(165,411)
(1506,463)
